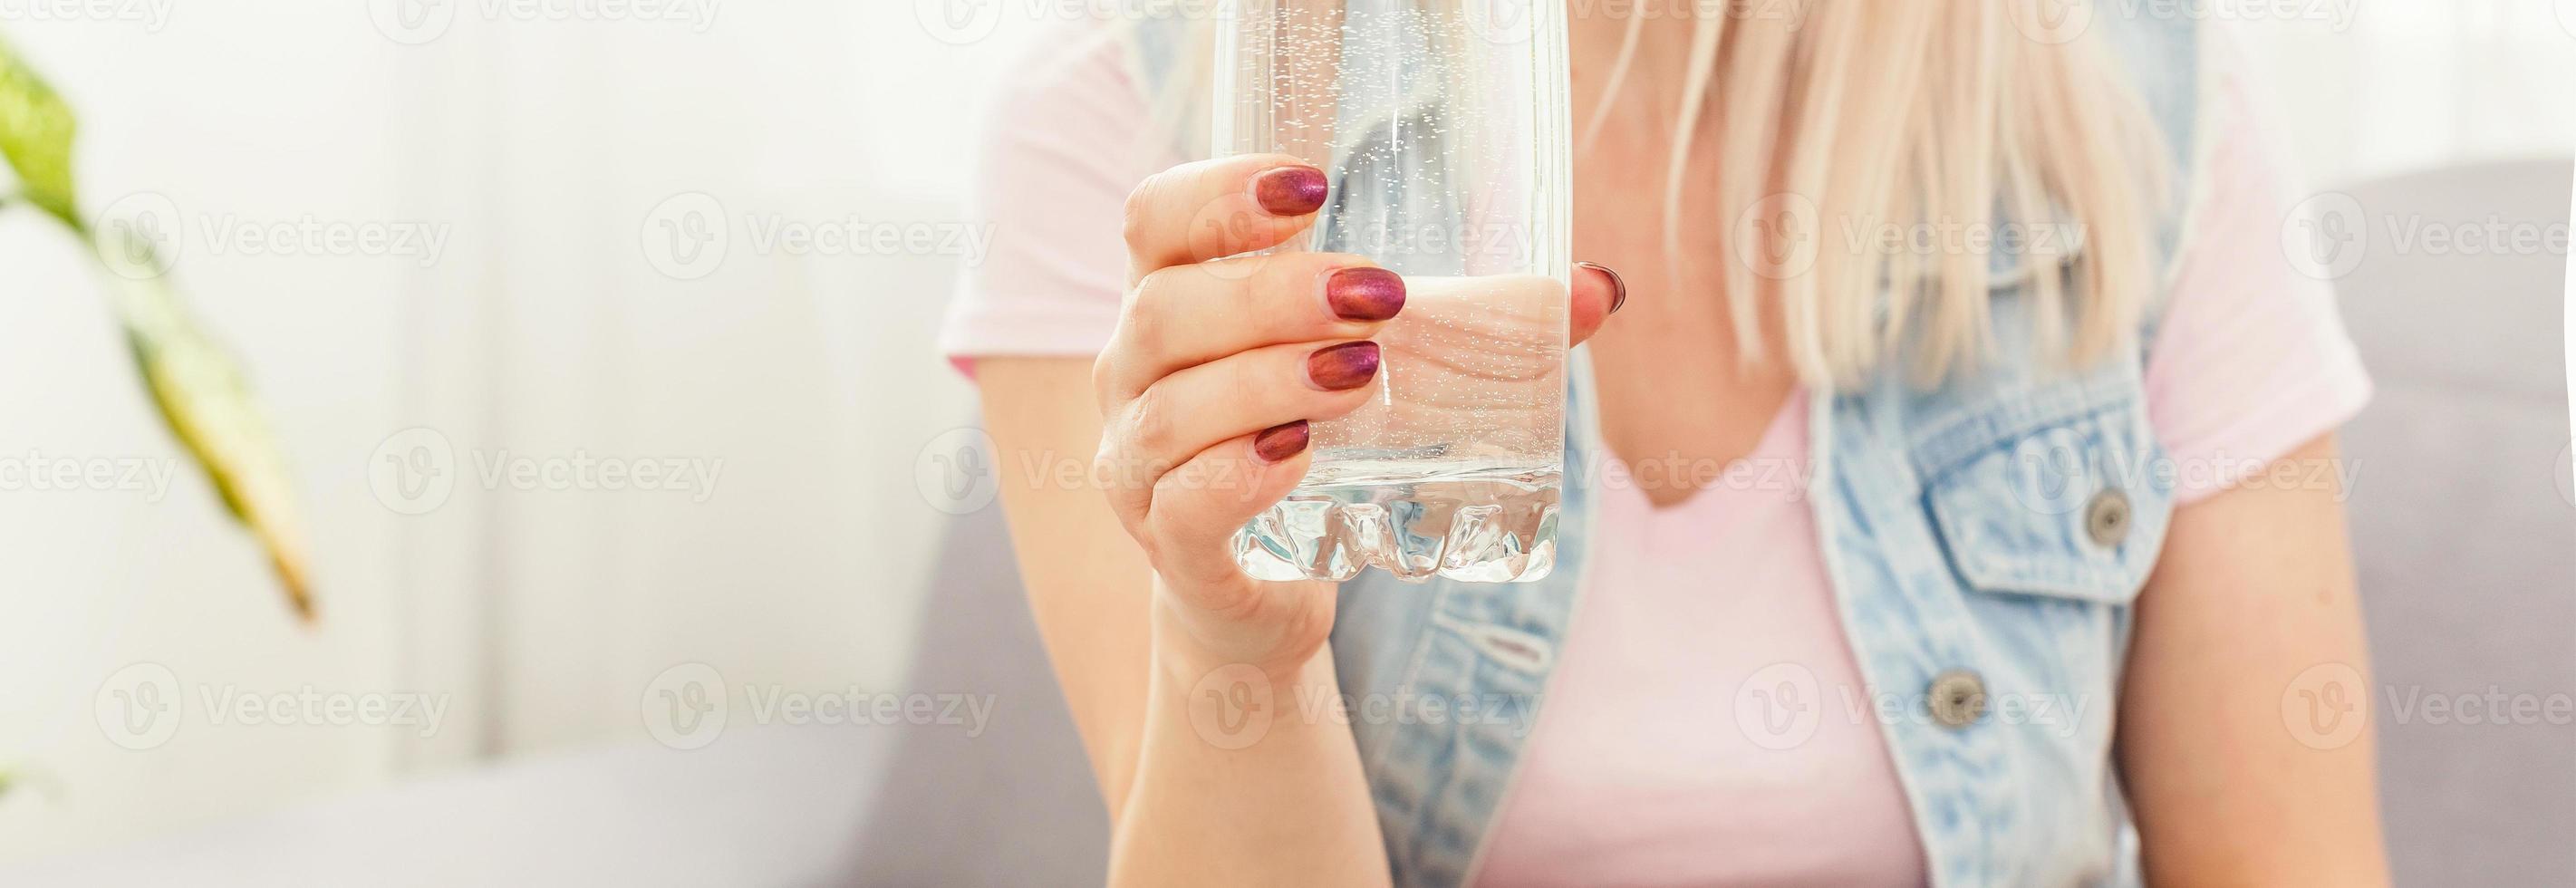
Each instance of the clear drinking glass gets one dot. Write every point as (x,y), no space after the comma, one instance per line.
(1443,127)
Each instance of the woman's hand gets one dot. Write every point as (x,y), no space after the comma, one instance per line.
(1219,363)
(1203,397)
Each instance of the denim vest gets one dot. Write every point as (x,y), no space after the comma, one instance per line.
(1984,539)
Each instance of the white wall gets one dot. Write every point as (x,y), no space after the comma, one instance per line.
(549,327)
(544,329)
(2376,87)
(229,118)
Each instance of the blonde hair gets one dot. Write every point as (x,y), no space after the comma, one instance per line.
(1917,113)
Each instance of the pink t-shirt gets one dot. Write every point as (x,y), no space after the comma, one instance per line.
(1645,768)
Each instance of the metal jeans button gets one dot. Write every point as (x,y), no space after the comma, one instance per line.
(1958,698)
(2106,518)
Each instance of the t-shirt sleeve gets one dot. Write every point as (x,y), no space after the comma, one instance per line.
(1062,147)
(2251,359)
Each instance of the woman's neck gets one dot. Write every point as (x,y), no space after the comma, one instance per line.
(1649,92)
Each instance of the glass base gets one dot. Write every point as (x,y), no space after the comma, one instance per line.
(1487,525)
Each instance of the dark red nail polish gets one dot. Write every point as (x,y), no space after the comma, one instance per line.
(1291,190)
(1343,367)
(1365,294)
(1618,285)
(1278,443)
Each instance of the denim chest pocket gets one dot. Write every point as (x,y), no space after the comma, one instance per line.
(2062,504)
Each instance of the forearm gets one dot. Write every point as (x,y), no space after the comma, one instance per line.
(1246,776)
(1088,585)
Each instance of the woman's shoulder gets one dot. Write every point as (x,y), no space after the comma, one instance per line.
(1067,71)
(1064,140)
(1094,87)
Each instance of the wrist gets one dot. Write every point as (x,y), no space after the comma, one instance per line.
(1231,700)
(1189,645)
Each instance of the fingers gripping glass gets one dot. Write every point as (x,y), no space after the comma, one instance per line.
(1442,126)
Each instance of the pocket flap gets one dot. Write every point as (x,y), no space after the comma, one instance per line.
(2069,509)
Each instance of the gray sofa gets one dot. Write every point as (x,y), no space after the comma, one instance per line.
(2463,526)
(2462,521)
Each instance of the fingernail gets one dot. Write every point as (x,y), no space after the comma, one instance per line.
(1278,443)
(1365,294)
(1291,190)
(1343,367)
(1618,285)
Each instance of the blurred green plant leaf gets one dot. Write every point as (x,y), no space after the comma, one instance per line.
(30,779)
(194,383)
(200,392)
(36,135)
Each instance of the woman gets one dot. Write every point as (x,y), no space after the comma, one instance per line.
(1994,588)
